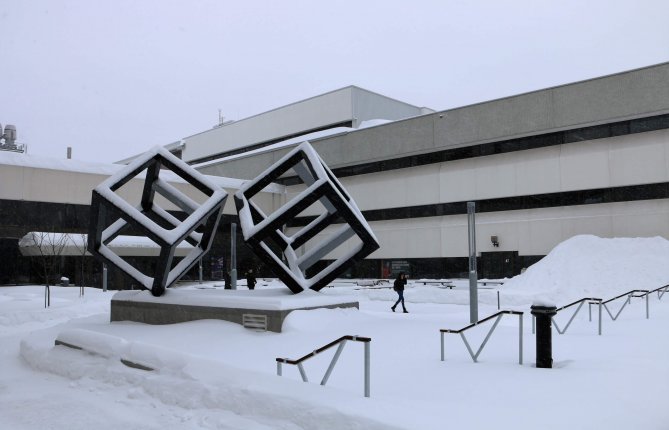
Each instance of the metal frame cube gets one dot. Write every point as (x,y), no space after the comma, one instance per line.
(260,231)
(111,214)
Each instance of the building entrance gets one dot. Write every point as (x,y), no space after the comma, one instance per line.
(501,264)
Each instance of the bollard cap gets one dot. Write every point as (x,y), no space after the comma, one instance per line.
(542,307)
(543,303)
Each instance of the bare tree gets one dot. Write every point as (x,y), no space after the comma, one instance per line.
(49,247)
(79,241)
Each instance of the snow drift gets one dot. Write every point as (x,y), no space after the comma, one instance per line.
(590,266)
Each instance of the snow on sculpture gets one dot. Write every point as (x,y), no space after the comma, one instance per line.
(306,247)
(111,215)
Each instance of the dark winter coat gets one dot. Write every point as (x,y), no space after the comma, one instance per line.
(399,284)
(250,280)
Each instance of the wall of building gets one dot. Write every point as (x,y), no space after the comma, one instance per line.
(529,232)
(368,105)
(634,94)
(39,194)
(641,158)
(39,184)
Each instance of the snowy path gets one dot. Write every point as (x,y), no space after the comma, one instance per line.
(616,381)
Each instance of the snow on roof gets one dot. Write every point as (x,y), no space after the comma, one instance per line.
(8,158)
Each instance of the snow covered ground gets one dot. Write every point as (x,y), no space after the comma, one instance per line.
(218,375)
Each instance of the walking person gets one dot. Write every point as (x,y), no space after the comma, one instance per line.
(250,279)
(398,286)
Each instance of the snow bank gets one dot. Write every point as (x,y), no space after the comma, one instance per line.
(590,266)
(94,342)
(206,384)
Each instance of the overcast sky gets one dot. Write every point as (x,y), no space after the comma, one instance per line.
(112,78)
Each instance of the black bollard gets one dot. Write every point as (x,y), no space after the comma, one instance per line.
(543,315)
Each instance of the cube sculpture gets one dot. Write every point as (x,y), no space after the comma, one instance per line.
(111,214)
(261,231)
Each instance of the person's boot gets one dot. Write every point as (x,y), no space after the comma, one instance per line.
(393,308)
(406,311)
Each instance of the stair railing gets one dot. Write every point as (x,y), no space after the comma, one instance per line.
(341,342)
(580,303)
(629,295)
(660,291)
(498,316)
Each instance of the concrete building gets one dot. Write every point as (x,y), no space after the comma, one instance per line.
(590,157)
(41,194)
(585,158)
(347,107)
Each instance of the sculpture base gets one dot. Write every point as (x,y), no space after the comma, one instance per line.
(263,309)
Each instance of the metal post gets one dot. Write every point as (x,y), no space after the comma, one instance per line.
(367,369)
(104,277)
(233,256)
(278,368)
(442,345)
(498,300)
(200,270)
(520,339)
(302,372)
(600,317)
(590,311)
(333,362)
(647,309)
(473,289)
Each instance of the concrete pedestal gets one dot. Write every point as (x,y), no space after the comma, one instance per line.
(177,306)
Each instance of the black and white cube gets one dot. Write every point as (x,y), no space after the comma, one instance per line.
(299,258)
(112,215)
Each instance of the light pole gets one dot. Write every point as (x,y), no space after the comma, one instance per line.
(473,288)
(233,256)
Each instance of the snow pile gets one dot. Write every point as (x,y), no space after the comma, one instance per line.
(590,266)
(254,399)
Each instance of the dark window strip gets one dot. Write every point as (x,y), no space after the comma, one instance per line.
(659,122)
(536,201)
(267,143)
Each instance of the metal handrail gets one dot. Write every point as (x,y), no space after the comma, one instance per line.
(580,303)
(342,342)
(469,349)
(629,294)
(663,289)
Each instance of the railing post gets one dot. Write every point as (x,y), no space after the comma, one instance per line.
(520,339)
(367,369)
(534,324)
(442,345)
(498,300)
(340,348)
(302,372)
(600,317)
(647,308)
(589,311)
(278,368)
